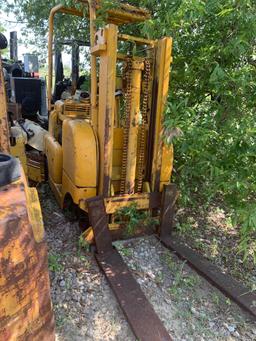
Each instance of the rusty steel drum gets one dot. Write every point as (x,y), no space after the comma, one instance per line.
(25,305)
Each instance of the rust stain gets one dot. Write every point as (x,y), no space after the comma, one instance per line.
(4,136)
(107,140)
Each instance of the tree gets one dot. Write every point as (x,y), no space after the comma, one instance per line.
(35,14)
(212,98)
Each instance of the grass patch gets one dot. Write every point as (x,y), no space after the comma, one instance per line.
(54,262)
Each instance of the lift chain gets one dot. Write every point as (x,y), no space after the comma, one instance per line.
(127,115)
(142,131)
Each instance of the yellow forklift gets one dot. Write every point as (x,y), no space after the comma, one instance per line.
(107,152)
(112,143)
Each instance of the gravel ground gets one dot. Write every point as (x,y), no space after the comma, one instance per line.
(85,308)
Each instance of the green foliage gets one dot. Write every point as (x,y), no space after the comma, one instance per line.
(83,244)
(35,15)
(181,280)
(102,11)
(212,100)
(134,218)
(247,220)
(87,83)
(54,262)
(131,216)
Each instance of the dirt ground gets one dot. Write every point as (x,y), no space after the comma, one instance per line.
(85,308)
(212,234)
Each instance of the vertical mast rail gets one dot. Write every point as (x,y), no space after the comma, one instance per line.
(106,109)
(159,96)
(4,129)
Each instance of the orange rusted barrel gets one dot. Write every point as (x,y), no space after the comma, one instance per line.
(25,305)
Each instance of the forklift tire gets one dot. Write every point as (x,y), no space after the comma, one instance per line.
(9,169)
(69,209)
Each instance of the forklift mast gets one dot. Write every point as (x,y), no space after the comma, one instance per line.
(129,157)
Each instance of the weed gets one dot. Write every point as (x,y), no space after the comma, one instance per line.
(214,247)
(199,244)
(174,291)
(183,227)
(83,244)
(84,260)
(191,281)
(184,314)
(216,298)
(181,281)
(172,265)
(68,283)
(133,217)
(159,278)
(229,223)
(126,252)
(54,262)
(60,321)
(228,302)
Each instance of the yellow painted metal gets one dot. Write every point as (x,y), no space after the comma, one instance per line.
(94,80)
(59,107)
(54,154)
(73,160)
(55,124)
(57,191)
(79,153)
(25,305)
(77,193)
(76,109)
(35,214)
(118,141)
(137,67)
(138,40)
(127,14)
(114,204)
(18,150)
(123,57)
(162,76)
(146,187)
(96,50)
(107,81)
(117,158)
(166,165)
(35,170)
(121,14)
(4,129)
(53,119)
